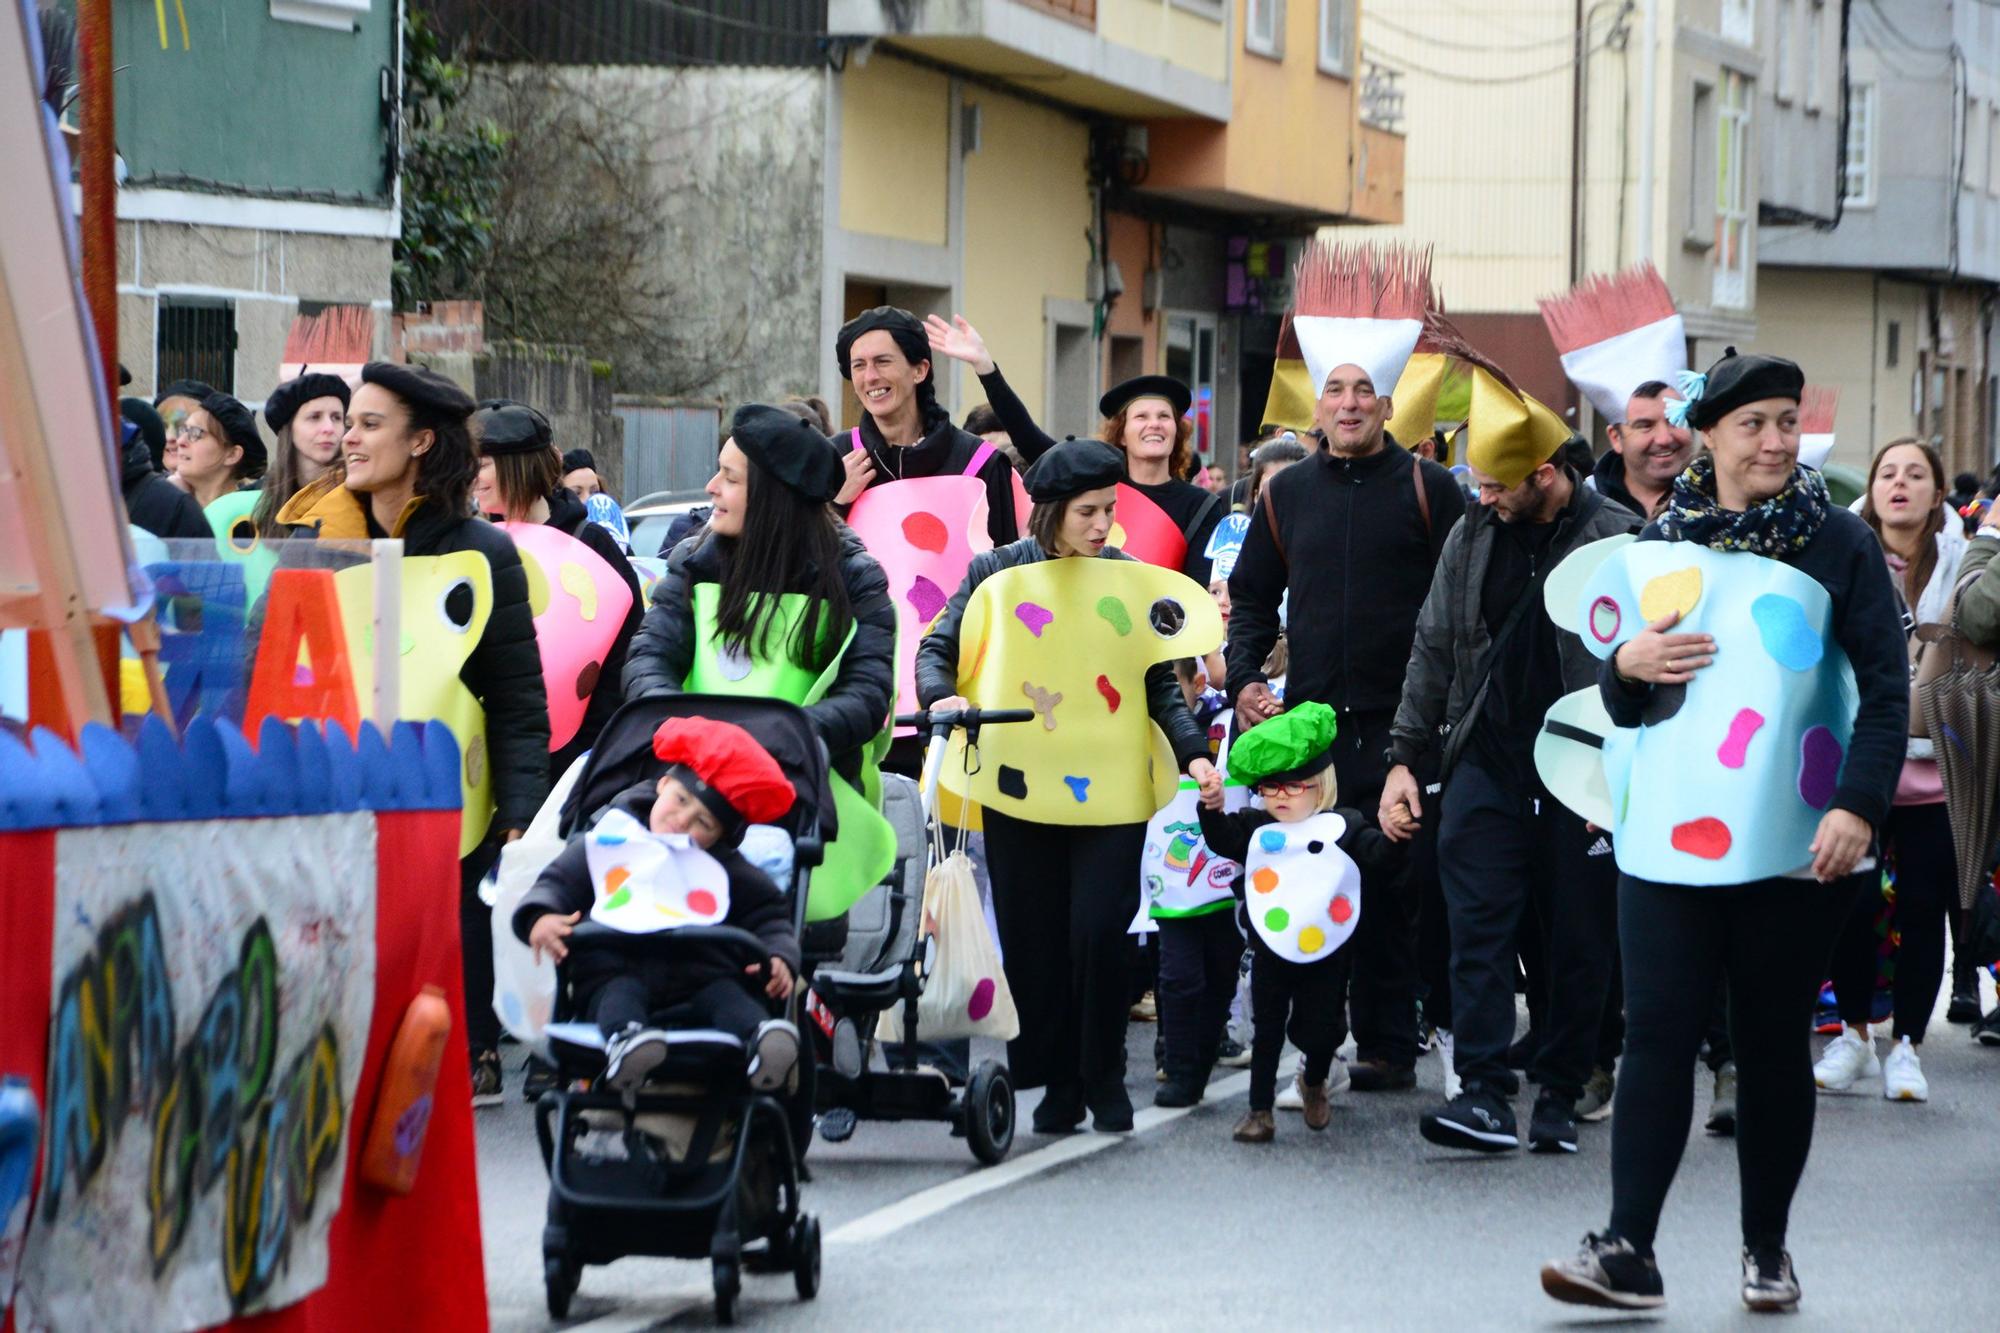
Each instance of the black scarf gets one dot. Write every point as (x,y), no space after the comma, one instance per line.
(1777,527)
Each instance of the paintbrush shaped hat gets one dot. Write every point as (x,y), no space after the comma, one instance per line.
(1361,306)
(1817,403)
(1614,334)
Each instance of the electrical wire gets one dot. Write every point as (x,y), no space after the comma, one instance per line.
(1396,62)
(1371,18)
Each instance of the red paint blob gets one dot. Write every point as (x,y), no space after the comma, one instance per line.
(1110,693)
(1341,909)
(1706,838)
(926,532)
(701,902)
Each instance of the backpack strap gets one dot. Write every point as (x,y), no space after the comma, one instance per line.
(1200,517)
(979,456)
(855,440)
(1271,521)
(1416,479)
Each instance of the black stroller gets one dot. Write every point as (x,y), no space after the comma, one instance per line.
(695,1163)
(877,960)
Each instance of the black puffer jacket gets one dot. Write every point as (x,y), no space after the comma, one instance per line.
(567,514)
(151,501)
(937,655)
(853,712)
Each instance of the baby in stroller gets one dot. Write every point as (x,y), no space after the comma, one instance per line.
(718,781)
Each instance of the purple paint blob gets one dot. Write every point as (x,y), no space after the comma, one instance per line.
(411,1126)
(1036,618)
(1819,767)
(926,599)
(981,1003)
(1736,744)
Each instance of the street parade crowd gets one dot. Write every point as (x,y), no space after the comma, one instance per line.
(1408,721)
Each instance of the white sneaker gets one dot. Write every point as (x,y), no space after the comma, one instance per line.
(1845,1059)
(1903,1075)
(1338,1080)
(1453,1085)
(1293,1098)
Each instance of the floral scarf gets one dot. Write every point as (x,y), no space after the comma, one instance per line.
(1779,526)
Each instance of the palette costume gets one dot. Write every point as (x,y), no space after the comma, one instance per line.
(1087,643)
(1716,877)
(1301,893)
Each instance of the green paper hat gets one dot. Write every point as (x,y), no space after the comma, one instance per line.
(1290,747)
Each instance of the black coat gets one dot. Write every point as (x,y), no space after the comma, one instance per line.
(755,903)
(937,655)
(151,501)
(567,514)
(853,712)
(945,451)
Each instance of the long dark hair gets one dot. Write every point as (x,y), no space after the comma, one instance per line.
(447,470)
(1920,570)
(788,544)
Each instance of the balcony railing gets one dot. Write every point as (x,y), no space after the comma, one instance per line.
(1382,97)
(1083,13)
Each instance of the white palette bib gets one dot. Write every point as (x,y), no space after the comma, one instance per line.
(647,882)
(1302,891)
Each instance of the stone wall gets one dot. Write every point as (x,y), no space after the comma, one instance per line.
(572,391)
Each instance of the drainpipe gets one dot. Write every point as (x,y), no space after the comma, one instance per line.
(1648,58)
(100,185)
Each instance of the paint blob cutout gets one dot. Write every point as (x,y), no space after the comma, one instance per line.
(1788,638)
(1109,691)
(1706,838)
(1668,593)
(1341,909)
(575,580)
(1272,840)
(1819,767)
(926,532)
(586,679)
(701,902)
(1036,618)
(1737,743)
(1044,703)
(1012,782)
(1277,919)
(1079,788)
(1114,614)
(925,598)
(732,662)
(1264,879)
(1311,939)
(1315,846)
(981,1003)
(1605,618)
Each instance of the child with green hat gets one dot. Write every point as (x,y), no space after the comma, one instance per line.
(1301,892)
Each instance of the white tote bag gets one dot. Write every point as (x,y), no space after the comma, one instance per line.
(965,993)
(524,991)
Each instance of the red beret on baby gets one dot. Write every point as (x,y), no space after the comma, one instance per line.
(731,762)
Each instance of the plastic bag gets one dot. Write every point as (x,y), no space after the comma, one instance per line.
(965,992)
(524,991)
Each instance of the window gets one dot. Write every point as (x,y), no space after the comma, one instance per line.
(1190,357)
(1739,21)
(1732,196)
(197,341)
(1782,46)
(1860,171)
(1815,78)
(1264,28)
(1701,169)
(1973,150)
(1336,45)
(340,15)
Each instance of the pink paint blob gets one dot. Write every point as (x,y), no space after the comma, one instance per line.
(1036,618)
(701,902)
(981,1003)
(926,599)
(926,532)
(1737,743)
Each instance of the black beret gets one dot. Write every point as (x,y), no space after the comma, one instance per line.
(239,427)
(579,458)
(1147,386)
(420,387)
(1073,467)
(124,375)
(286,400)
(904,327)
(151,429)
(789,449)
(504,426)
(194,389)
(1736,380)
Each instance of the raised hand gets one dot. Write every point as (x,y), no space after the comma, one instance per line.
(959,341)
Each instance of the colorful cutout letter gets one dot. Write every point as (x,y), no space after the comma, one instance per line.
(302,611)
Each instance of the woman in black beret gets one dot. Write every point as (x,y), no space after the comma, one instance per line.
(520,481)
(1769,939)
(1145,419)
(218,451)
(308,414)
(409,470)
(1062,894)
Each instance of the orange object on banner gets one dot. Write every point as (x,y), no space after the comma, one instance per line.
(303,608)
(409,1083)
(45,700)
(1147,533)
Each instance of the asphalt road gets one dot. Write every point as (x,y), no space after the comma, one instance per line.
(1897,1224)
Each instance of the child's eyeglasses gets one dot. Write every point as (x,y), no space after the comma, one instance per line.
(1284,788)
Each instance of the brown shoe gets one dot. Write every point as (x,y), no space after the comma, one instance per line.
(1318,1107)
(1256,1127)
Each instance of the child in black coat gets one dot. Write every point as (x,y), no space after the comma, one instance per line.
(1300,908)
(718,781)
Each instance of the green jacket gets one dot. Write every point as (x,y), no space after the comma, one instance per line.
(1979,608)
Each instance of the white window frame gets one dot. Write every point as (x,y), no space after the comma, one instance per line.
(1974,134)
(337,15)
(1815,57)
(1271,41)
(1336,38)
(1993,149)
(1735,211)
(1784,52)
(1738,22)
(1863,109)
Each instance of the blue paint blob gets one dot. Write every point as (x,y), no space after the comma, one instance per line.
(1079,788)
(610,839)
(1788,638)
(1271,840)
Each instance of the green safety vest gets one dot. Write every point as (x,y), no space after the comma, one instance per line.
(864,850)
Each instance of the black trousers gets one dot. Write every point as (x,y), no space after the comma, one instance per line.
(1433,924)
(1198,959)
(475,939)
(1062,898)
(1296,1000)
(647,992)
(1917,839)
(1503,852)
(1771,939)
(1384,984)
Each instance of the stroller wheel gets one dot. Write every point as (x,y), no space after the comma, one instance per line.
(805,1256)
(560,1275)
(728,1283)
(987,1110)
(837,1125)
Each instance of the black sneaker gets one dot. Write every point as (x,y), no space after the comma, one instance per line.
(1060,1110)
(1552,1127)
(1110,1107)
(1964,1007)
(632,1056)
(1987,1030)
(1380,1076)
(537,1077)
(1475,1119)
(486,1078)
(1770,1286)
(1606,1272)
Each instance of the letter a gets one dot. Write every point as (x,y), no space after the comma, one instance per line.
(302,608)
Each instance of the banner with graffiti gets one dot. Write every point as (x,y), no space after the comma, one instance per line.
(212,992)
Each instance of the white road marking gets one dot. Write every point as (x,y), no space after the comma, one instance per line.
(652,1314)
(927,1203)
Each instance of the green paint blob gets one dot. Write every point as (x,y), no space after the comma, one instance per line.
(1277,919)
(1115,615)
(617,900)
